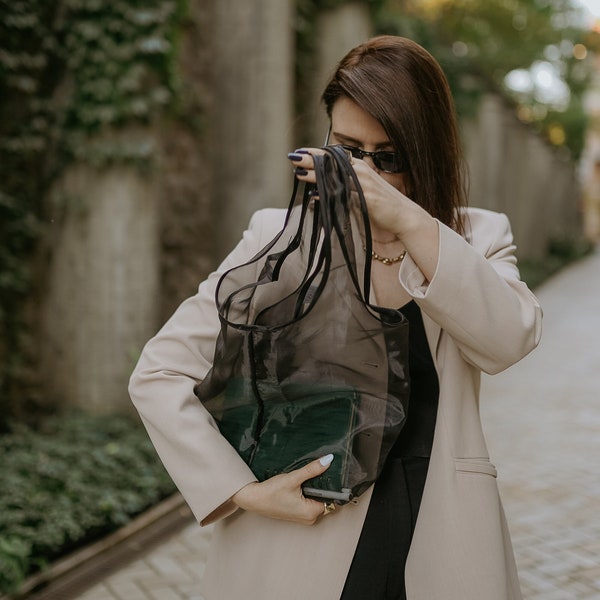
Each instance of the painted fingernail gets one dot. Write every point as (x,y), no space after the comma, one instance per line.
(300,171)
(326,460)
(313,193)
(300,151)
(295,156)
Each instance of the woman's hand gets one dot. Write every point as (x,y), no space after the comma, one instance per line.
(390,210)
(281,497)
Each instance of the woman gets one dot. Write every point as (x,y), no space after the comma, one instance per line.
(453,272)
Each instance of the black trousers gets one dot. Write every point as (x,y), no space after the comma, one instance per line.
(377,570)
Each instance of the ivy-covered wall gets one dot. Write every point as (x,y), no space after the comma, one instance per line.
(71,72)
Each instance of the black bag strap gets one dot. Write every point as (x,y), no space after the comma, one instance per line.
(340,201)
(336,182)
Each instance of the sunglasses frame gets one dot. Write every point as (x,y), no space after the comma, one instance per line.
(376,158)
(373,155)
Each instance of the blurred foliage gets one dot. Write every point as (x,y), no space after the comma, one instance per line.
(23,64)
(409,19)
(76,479)
(69,71)
(478,43)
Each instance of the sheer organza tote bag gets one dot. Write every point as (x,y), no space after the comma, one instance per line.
(304,364)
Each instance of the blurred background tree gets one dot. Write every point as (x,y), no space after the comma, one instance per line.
(533,51)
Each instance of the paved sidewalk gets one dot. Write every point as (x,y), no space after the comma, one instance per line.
(170,572)
(542,420)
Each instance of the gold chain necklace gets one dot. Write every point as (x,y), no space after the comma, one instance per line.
(387,260)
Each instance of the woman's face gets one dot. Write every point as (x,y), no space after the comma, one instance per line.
(353,126)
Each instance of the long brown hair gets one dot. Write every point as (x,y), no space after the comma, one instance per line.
(404,88)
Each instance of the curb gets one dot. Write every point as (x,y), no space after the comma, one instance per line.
(81,569)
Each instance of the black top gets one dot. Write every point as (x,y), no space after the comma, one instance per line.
(377,570)
(416,437)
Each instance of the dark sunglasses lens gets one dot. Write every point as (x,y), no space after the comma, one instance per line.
(388,161)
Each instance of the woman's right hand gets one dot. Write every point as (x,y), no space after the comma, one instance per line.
(280,497)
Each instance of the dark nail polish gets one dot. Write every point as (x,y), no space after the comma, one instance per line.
(300,151)
(301,172)
(295,156)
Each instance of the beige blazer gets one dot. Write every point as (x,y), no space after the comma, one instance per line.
(478,316)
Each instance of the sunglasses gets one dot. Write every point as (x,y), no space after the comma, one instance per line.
(384,160)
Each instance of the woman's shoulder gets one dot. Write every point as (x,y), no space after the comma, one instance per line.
(267,222)
(481,224)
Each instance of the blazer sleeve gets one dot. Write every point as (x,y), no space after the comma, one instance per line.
(203,465)
(476,295)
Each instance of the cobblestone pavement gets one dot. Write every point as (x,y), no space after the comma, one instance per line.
(542,420)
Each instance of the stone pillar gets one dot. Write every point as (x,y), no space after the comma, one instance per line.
(515,171)
(103,286)
(338,31)
(251,125)
(184,170)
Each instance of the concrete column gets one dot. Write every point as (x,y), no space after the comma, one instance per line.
(513,170)
(338,31)
(103,291)
(251,126)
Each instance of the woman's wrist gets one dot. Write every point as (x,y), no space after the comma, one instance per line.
(412,220)
(243,497)
(420,236)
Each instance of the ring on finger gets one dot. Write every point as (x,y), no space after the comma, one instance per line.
(328,507)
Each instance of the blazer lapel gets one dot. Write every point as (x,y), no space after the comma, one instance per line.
(432,331)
